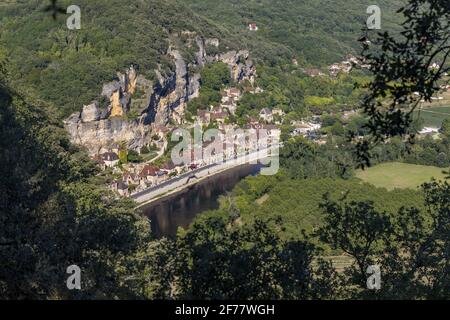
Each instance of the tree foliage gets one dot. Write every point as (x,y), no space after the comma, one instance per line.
(52,216)
(407,68)
(215,260)
(411,247)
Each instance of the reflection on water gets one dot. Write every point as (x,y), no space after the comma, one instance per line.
(180,209)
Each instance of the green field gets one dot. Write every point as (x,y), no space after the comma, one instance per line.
(433,116)
(399,175)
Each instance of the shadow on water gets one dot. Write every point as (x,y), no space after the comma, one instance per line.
(180,209)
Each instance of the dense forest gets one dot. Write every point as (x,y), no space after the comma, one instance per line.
(47,58)
(316,32)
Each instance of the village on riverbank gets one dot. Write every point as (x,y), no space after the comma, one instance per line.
(132,172)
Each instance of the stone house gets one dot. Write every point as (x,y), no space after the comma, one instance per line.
(99,161)
(232,94)
(162,175)
(149,174)
(110,159)
(203,117)
(216,109)
(252,27)
(131,178)
(219,116)
(162,131)
(171,168)
(305,128)
(278,115)
(278,112)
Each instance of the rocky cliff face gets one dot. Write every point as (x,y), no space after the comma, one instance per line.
(99,136)
(98,129)
(164,100)
(171,94)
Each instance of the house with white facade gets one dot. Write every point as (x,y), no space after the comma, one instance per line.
(252,27)
(110,159)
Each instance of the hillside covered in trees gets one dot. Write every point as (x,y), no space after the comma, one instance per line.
(47,59)
(316,32)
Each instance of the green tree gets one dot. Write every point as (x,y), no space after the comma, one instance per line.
(404,70)
(411,247)
(221,261)
(337,129)
(134,157)
(446,127)
(357,229)
(52,216)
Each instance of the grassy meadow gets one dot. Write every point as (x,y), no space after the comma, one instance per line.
(399,175)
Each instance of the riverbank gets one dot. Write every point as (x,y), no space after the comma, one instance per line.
(182,188)
(190,178)
(179,209)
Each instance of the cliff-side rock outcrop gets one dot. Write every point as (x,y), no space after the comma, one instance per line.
(163,101)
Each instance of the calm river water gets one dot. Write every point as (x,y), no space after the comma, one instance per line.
(180,209)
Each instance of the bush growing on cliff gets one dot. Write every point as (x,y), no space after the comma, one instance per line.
(145,150)
(213,79)
(134,156)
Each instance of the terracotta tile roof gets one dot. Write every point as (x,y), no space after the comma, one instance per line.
(131,176)
(219,115)
(149,171)
(235,91)
(201,113)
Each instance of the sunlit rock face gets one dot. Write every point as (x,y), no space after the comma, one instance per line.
(90,112)
(104,133)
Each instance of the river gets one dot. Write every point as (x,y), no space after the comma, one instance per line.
(180,209)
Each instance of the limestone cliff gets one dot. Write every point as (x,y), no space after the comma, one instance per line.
(163,101)
(119,92)
(171,94)
(99,136)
